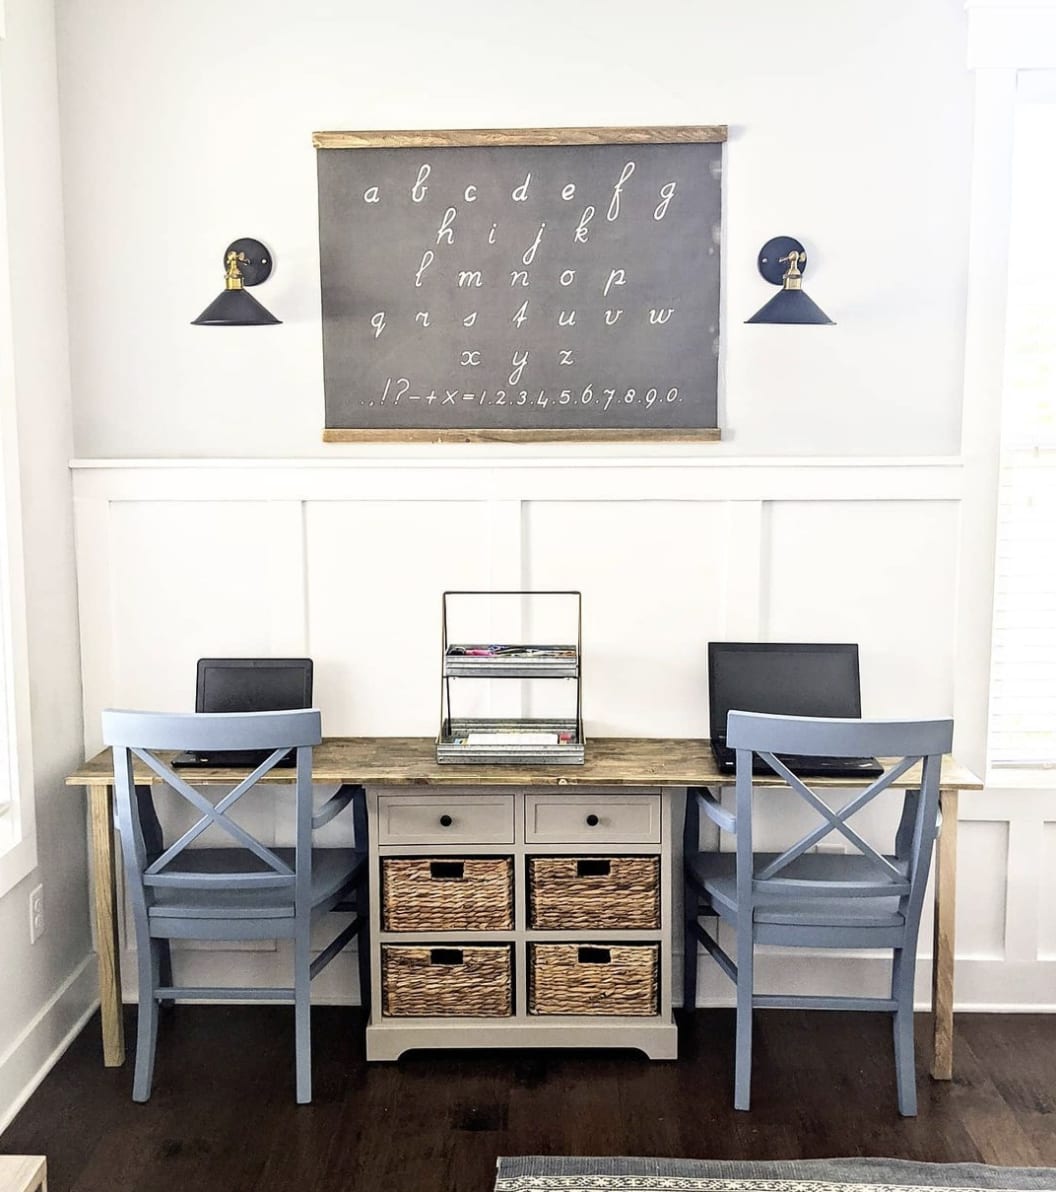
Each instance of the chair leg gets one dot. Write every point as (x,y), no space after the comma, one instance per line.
(302,982)
(165,965)
(149,953)
(363,946)
(905,1060)
(742,1087)
(689,949)
(154,840)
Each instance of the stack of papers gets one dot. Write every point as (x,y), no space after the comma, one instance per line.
(511,739)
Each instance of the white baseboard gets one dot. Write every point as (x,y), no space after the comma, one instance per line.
(38,1047)
(983,985)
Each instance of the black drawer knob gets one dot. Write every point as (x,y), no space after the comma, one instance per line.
(446,821)
(592,820)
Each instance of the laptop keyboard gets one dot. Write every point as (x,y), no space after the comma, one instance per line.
(805,764)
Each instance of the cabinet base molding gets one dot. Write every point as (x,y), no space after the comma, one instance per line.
(657,1039)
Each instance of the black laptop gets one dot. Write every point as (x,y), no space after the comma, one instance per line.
(786,679)
(248,685)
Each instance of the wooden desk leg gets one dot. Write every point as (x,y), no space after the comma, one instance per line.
(101,813)
(943,951)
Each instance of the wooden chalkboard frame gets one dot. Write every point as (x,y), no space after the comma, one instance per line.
(447,138)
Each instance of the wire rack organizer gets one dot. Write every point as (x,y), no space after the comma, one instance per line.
(511,740)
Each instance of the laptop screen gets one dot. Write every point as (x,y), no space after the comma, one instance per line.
(253,684)
(782,678)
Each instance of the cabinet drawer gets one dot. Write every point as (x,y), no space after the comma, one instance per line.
(586,819)
(445,819)
(618,979)
(584,893)
(448,894)
(472,981)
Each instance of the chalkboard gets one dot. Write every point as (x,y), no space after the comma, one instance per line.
(521,284)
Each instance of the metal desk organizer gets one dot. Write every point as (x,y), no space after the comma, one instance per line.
(524,660)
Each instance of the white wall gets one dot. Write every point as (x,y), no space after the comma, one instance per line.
(46,988)
(187,125)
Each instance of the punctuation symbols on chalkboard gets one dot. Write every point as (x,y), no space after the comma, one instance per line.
(247,262)
(782,261)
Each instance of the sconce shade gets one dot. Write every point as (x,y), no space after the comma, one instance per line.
(247,262)
(790,304)
(236,308)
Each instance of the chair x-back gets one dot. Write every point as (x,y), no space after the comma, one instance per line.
(247,890)
(798,898)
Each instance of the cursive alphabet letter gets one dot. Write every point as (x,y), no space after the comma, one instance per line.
(445,227)
(427,259)
(419,188)
(617,190)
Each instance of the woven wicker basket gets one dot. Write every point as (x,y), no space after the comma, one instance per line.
(470,982)
(449,894)
(585,893)
(620,979)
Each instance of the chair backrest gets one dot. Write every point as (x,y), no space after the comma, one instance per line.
(140,735)
(902,743)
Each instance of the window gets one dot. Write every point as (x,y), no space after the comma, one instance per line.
(18,846)
(1023,674)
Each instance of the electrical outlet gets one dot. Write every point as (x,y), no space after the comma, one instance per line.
(830,846)
(36,914)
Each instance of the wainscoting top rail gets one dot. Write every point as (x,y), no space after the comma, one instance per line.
(379,457)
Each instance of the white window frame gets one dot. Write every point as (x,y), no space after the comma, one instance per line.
(1006,38)
(1020,457)
(18,837)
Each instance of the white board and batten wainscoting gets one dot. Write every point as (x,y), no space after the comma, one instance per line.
(345,559)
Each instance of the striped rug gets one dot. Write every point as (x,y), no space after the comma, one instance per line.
(553,1174)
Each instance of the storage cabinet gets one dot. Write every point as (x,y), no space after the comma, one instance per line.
(519,918)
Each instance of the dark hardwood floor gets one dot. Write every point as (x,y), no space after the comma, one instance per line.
(223,1117)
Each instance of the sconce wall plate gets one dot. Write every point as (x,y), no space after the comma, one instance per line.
(254,260)
(782,262)
(247,262)
(770,263)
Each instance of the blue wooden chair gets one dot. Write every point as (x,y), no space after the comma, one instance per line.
(248,891)
(867,899)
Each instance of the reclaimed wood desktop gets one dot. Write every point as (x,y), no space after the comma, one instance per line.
(411,761)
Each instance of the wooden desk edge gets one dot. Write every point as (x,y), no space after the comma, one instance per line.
(363,765)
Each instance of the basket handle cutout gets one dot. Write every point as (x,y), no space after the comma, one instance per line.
(449,870)
(595,956)
(593,867)
(446,956)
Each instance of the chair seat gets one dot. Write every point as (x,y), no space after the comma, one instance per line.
(332,870)
(716,873)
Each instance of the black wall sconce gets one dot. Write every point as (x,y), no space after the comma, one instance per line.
(247,263)
(790,304)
